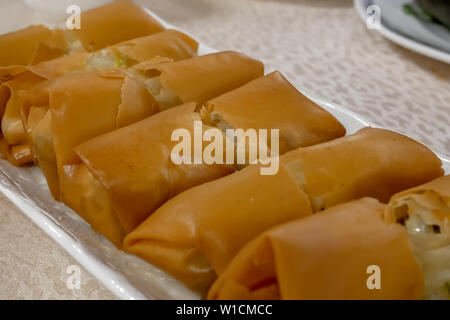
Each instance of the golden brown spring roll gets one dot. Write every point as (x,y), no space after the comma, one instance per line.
(170,44)
(31,45)
(370,163)
(425,212)
(132,173)
(113,23)
(326,256)
(12,93)
(159,243)
(100,27)
(197,79)
(74,97)
(78,107)
(196,234)
(128,172)
(271,102)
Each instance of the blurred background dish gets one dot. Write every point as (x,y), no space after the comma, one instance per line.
(407,24)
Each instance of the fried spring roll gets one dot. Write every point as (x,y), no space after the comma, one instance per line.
(271,102)
(425,212)
(197,79)
(75,98)
(31,45)
(158,242)
(112,23)
(170,44)
(101,27)
(196,234)
(371,163)
(326,256)
(139,170)
(78,107)
(133,173)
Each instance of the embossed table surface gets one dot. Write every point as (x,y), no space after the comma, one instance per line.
(322,46)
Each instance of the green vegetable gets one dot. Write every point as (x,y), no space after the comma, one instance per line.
(432,11)
(120,61)
(439,9)
(421,14)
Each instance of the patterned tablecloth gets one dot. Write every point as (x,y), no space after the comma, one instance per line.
(320,45)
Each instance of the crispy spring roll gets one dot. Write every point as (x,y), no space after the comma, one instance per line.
(197,79)
(77,107)
(157,241)
(113,23)
(128,172)
(31,45)
(12,93)
(149,177)
(196,234)
(326,256)
(425,212)
(271,102)
(170,44)
(100,27)
(75,98)
(371,163)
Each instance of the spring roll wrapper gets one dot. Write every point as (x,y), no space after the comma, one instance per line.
(257,89)
(325,256)
(428,205)
(202,78)
(14,91)
(101,27)
(133,166)
(79,107)
(195,235)
(31,45)
(114,23)
(171,44)
(439,187)
(271,102)
(370,163)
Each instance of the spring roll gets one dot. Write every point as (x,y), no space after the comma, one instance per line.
(31,45)
(113,23)
(370,163)
(425,213)
(74,97)
(170,44)
(326,256)
(100,27)
(150,190)
(131,171)
(197,79)
(70,111)
(196,234)
(155,235)
(271,102)
(12,93)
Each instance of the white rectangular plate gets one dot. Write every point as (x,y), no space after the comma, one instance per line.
(127,276)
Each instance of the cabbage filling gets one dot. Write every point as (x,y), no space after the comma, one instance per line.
(165,97)
(426,220)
